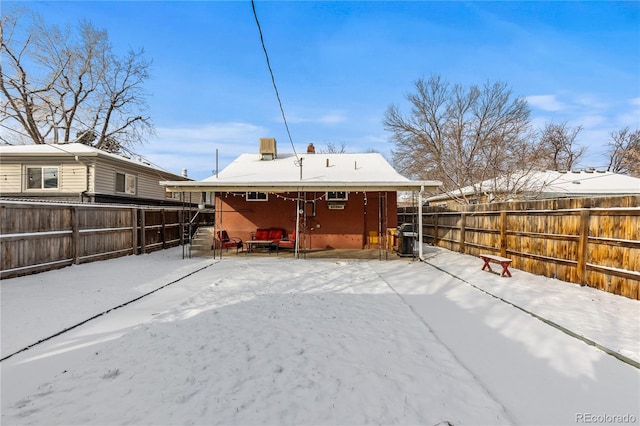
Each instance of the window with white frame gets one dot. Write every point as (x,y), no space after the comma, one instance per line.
(337,196)
(42,177)
(126,183)
(257,196)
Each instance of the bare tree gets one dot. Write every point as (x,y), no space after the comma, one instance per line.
(333,149)
(66,84)
(461,135)
(558,147)
(624,152)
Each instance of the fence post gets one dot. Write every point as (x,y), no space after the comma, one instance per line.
(503,233)
(463,231)
(585,216)
(143,231)
(75,235)
(164,229)
(435,230)
(134,230)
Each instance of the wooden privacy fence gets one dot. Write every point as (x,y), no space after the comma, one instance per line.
(37,237)
(588,241)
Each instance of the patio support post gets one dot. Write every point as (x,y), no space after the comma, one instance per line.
(297,242)
(215,217)
(218,219)
(420,222)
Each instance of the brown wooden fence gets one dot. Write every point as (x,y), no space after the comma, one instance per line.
(37,237)
(588,241)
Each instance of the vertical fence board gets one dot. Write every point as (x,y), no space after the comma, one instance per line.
(583,251)
(503,233)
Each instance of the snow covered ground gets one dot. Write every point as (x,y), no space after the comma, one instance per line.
(268,340)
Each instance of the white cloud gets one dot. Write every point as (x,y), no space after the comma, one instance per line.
(546,102)
(631,116)
(629,119)
(332,117)
(194,147)
(595,140)
(214,132)
(539,121)
(589,121)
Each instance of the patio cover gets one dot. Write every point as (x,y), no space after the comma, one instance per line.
(319,172)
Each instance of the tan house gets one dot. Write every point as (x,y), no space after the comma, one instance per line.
(327,200)
(80,173)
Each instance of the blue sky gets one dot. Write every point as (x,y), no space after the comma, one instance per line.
(339,65)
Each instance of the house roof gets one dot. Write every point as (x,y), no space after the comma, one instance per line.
(553,184)
(319,172)
(78,152)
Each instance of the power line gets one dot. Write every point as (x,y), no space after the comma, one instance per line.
(273,80)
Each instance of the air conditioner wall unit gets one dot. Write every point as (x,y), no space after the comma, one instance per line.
(336,206)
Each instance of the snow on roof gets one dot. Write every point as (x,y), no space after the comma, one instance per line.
(315,167)
(553,183)
(72,149)
(53,149)
(591,182)
(319,172)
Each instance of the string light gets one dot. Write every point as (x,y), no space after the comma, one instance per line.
(244,194)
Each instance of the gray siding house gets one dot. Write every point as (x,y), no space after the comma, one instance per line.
(80,173)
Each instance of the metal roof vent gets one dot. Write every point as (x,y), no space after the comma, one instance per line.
(268,149)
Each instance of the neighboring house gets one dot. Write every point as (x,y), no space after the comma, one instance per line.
(543,185)
(345,200)
(80,173)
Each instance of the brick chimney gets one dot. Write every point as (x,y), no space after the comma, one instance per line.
(311,149)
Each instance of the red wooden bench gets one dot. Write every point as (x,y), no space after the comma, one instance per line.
(503,261)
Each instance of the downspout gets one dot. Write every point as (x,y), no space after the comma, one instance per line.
(420,254)
(87,184)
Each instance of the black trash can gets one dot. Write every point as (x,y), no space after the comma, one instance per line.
(407,237)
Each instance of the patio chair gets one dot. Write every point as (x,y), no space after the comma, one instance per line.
(226,241)
(289,242)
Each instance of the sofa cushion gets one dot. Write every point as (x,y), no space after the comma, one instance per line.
(275,234)
(261,234)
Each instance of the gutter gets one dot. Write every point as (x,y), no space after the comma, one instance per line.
(199,186)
